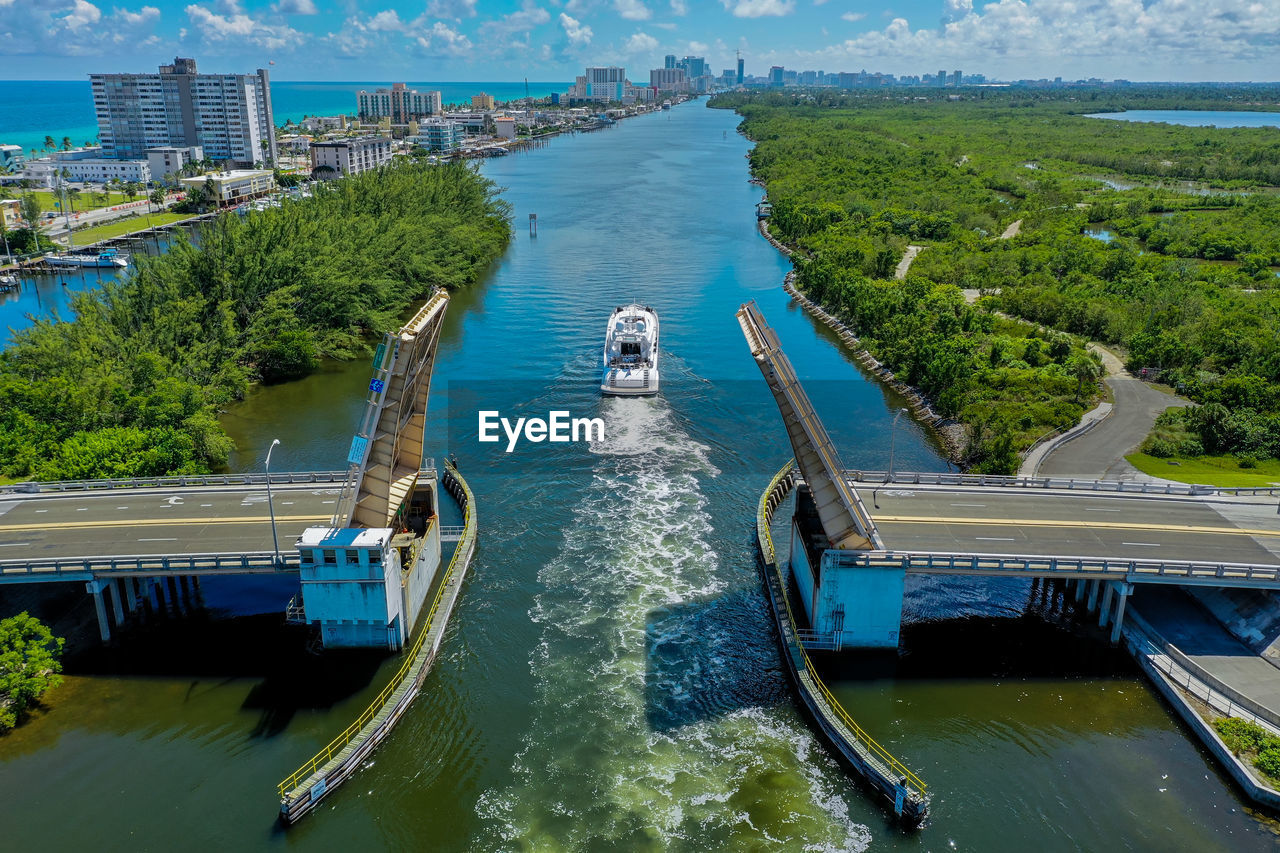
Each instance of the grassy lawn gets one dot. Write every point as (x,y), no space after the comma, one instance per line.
(83,203)
(1208,470)
(126,225)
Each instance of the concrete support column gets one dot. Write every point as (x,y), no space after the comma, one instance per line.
(131,593)
(113,586)
(1093,595)
(1104,613)
(175,603)
(1079,590)
(1123,590)
(94,588)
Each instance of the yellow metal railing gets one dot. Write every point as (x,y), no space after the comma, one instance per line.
(341,742)
(764,518)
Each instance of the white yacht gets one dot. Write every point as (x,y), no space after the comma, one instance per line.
(631,352)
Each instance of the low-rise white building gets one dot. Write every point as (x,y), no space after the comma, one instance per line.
(339,157)
(85,165)
(169,159)
(504,127)
(236,185)
(438,135)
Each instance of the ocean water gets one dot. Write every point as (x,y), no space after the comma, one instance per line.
(31,110)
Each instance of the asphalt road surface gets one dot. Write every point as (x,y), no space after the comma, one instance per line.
(1071,524)
(205,520)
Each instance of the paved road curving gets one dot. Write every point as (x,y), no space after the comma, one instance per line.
(1100,452)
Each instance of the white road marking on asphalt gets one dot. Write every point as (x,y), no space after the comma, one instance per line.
(1143,544)
(326,502)
(1095,509)
(82,509)
(42,510)
(977,505)
(13,544)
(995,538)
(167,539)
(122,507)
(206,504)
(287,503)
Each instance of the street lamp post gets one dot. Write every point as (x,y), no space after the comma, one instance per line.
(275,540)
(893,436)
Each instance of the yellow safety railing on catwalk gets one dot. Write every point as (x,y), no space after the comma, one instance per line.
(764,517)
(349,734)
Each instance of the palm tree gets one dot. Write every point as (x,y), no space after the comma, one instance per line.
(157,197)
(66,143)
(131,189)
(49,144)
(72,195)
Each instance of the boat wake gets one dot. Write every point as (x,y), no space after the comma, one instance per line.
(613,756)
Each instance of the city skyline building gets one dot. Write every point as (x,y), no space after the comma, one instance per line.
(228,116)
(399,103)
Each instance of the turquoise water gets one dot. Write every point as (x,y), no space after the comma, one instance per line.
(610,680)
(1198,118)
(30,110)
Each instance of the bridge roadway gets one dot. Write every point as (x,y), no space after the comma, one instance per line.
(50,528)
(1061,523)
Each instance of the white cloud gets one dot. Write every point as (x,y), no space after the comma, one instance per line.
(759,8)
(143,16)
(442,40)
(241,28)
(632,10)
(1139,39)
(853,16)
(697,47)
(296,7)
(679,7)
(386,21)
(577,32)
(640,43)
(955,10)
(82,14)
(452,8)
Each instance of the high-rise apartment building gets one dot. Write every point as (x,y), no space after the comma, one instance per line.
(670,61)
(399,103)
(740,69)
(228,116)
(609,82)
(669,80)
(775,76)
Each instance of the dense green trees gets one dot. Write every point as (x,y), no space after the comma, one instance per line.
(1181,279)
(131,386)
(29,666)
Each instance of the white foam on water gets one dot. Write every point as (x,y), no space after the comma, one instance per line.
(592,771)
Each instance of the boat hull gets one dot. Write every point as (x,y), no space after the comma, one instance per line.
(629,383)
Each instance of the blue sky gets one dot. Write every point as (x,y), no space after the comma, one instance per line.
(378,40)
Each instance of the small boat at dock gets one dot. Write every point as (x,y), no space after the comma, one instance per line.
(105,258)
(631,352)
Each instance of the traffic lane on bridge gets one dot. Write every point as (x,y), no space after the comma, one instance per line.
(1101,510)
(1020,525)
(103,525)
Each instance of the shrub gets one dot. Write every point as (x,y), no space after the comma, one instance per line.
(1243,736)
(1268,761)
(1160,448)
(1246,462)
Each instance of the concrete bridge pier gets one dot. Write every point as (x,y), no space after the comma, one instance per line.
(1123,591)
(131,593)
(1093,596)
(95,588)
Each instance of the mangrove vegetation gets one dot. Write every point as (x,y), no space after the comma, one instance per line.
(1041,228)
(132,385)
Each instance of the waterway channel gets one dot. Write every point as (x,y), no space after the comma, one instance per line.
(610,680)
